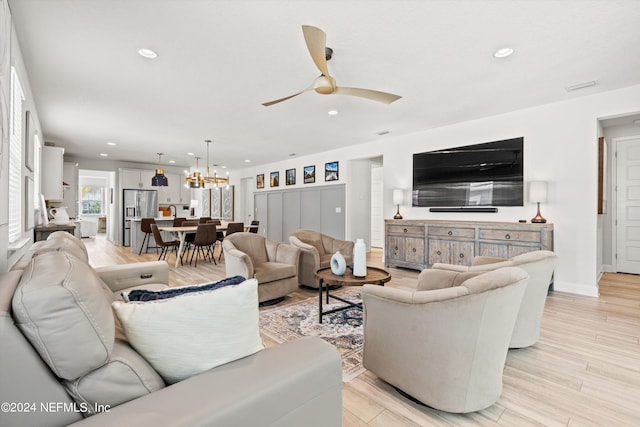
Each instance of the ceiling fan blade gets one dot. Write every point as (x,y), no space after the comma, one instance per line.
(266,104)
(373,95)
(316,40)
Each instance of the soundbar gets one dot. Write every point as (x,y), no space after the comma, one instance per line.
(464,209)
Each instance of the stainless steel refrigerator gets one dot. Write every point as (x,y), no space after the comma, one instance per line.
(137,204)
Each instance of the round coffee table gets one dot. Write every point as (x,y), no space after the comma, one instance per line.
(326,278)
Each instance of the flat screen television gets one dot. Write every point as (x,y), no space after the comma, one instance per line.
(488,174)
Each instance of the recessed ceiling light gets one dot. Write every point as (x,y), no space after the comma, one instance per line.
(581,85)
(111,143)
(172,161)
(503,52)
(247,161)
(104,154)
(147,53)
(189,154)
(224,167)
(332,112)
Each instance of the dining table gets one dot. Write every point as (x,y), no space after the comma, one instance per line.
(182,232)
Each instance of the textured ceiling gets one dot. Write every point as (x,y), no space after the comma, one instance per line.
(219,60)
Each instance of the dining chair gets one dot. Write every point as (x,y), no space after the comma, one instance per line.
(232,227)
(166,246)
(177,221)
(205,238)
(190,237)
(204,219)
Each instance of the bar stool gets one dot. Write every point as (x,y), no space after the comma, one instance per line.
(145,227)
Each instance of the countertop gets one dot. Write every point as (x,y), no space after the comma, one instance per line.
(165,218)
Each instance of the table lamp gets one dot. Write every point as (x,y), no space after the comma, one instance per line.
(397,200)
(538,194)
(193,205)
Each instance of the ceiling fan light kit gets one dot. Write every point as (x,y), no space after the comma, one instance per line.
(324,84)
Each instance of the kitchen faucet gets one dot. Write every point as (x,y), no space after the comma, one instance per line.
(175,210)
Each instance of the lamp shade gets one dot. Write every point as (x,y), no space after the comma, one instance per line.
(538,191)
(159,179)
(398,196)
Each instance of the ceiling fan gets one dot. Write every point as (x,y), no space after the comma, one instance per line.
(325,84)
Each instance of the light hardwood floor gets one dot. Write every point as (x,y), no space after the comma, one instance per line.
(584,371)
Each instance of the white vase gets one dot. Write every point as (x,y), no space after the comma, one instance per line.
(360,259)
(60,215)
(338,264)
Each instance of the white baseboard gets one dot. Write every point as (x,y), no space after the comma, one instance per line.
(607,268)
(576,288)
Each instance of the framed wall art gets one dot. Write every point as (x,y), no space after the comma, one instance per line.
(331,171)
(309,173)
(290,177)
(260,181)
(274,180)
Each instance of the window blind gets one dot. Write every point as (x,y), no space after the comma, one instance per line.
(15,157)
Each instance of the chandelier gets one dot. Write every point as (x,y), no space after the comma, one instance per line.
(159,179)
(215,179)
(195,179)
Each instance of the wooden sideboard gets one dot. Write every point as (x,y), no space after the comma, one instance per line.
(418,244)
(42,232)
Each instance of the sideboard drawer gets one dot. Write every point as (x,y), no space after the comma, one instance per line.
(413,230)
(510,235)
(451,232)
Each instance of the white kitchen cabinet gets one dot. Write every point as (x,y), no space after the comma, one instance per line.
(52,173)
(136,179)
(171,194)
(70,198)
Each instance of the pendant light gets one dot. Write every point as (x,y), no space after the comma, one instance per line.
(159,179)
(195,179)
(215,179)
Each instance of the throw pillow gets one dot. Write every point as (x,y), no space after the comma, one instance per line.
(193,332)
(147,295)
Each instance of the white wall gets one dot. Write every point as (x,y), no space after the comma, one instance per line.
(560,147)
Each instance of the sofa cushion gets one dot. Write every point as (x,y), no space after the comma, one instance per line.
(251,244)
(316,243)
(271,271)
(193,332)
(439,279)
(61,307)
(125,377)
(325,260)
(58,244)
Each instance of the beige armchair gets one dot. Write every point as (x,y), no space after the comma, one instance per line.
(317,250)
(446,346)
(540,266)
(273,264)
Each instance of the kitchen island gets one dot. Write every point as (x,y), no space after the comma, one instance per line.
(137,236)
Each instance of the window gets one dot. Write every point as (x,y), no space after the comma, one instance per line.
(37,154)
(92,199)
(16,118)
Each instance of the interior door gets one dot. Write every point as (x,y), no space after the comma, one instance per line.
(628,206)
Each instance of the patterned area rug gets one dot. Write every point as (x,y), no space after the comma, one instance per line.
(342,329)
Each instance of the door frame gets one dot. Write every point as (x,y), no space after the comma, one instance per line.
(614,204)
